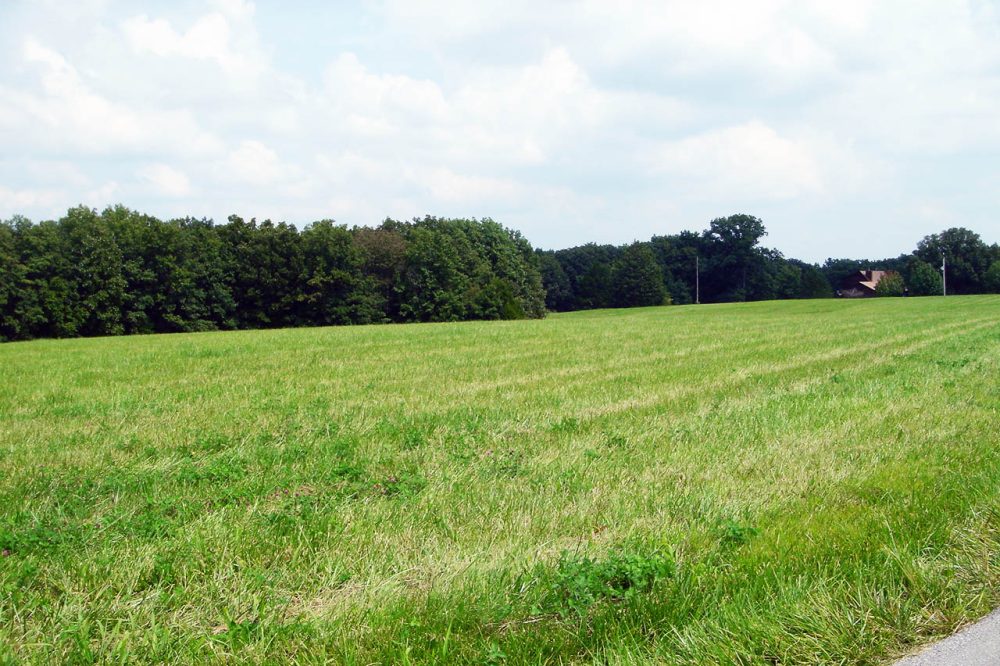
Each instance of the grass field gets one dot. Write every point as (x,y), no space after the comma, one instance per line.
(793,482)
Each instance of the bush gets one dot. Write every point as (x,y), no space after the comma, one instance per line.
(923,279)
(891,284)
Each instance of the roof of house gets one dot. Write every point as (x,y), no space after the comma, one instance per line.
(871,278)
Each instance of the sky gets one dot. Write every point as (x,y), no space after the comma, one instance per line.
(852,128)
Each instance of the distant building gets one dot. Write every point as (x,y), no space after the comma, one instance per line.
(862,284)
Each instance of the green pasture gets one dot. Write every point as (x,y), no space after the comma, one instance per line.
(791,482)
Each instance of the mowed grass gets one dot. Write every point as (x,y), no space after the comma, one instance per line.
(769,483)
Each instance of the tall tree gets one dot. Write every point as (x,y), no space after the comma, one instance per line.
(438,279)
(967,256)
(814,283)
(383,252)
(11,275)
(265,262)
(558,292)
(992,279)
(678,257)
(922,279)
(636,278)
(96,272)
(733,242)
(588,269)
(335,290)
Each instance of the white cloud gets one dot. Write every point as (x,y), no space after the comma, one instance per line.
(102,195)
(209,38)
(167,180)
(447,186)
(254,163)
(66,112)
(18,201)
(749,161)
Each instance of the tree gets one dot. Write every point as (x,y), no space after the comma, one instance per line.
(558,293)
(588,269)
(383,252)
(333,287)
(732,243)
(992,278)
(775,277)
(513,262)
(678,257)
(891,284)
(922,279)
(265,263)
(96,272)
(11,274)
(594,288)
(173,273)
(814,284)
(636,278)
(968,258)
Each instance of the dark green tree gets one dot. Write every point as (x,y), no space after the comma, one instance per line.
(558,292)
(11,277)
(512,261)
(968,258)
(636,278)
(992,280)
(594,287)
(383,252)
(814,283)
(437,284)
(334,288)
(922,279)
(265,263)
(774,278)
(96,272)
(588,269)
(677,256)
(733,242)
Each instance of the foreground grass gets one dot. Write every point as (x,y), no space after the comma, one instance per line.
(799,482)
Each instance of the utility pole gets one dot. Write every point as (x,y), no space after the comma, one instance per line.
(944,276)
(697,281)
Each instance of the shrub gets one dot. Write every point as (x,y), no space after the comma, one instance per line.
(923,279)
(891,284)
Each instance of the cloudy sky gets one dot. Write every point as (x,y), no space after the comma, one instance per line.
(853,128)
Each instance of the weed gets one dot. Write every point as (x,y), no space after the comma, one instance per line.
(579,582)
(732,533)
(507,463)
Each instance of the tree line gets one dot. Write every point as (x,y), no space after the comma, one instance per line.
(726,262)
(123,272)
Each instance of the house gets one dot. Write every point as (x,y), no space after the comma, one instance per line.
(861,284)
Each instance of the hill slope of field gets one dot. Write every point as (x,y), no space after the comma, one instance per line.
(794,482)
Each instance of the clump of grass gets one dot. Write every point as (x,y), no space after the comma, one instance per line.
(404,485)
(579,581)
(613,440)
(508,463)
(732,533)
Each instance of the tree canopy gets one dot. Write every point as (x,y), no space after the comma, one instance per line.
(120,271)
